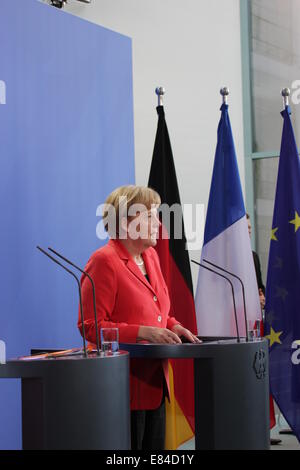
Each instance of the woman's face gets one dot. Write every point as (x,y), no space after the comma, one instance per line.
(249,227)
(144,228)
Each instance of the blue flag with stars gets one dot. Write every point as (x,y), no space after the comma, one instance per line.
(283,282)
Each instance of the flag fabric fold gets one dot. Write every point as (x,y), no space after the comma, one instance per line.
(283,281)
(226,244)
(175,265)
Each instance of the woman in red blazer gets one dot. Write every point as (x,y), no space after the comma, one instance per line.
(132,296)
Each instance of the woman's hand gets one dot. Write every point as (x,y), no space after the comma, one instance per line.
(181,331)
(157,335)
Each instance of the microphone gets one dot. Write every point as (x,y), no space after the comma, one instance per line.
(94,292)
(243,291)
(232,289)
(79,290)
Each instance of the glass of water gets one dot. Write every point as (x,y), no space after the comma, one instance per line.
(109,341)
(254,327)
(258,328)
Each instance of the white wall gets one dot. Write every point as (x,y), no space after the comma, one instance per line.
(192,48)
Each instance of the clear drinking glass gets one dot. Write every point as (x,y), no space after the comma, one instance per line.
(109,340)
(254,329)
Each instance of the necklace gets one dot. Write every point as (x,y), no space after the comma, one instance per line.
(137,262)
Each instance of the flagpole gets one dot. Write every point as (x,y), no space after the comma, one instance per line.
(225,93)
(286,93)
(160,91)
(174,259)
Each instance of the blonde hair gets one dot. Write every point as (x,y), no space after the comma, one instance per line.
(121,200)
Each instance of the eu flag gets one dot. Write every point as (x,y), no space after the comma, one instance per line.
(283,282)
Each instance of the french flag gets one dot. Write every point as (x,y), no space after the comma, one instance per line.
(227,245)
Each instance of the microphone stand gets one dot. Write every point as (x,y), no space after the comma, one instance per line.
(94,293)
(243,291)
(79,290)
(233,296)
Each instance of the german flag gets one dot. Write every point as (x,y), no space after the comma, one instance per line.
(175,265)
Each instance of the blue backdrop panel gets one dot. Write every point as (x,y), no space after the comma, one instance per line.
(66,141)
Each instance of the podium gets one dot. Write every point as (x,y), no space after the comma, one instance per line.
(231,390)
(83,403)
(74,402)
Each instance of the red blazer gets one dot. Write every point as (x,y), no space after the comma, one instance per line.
(125,300)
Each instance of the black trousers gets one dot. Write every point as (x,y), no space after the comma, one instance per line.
(148,428)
